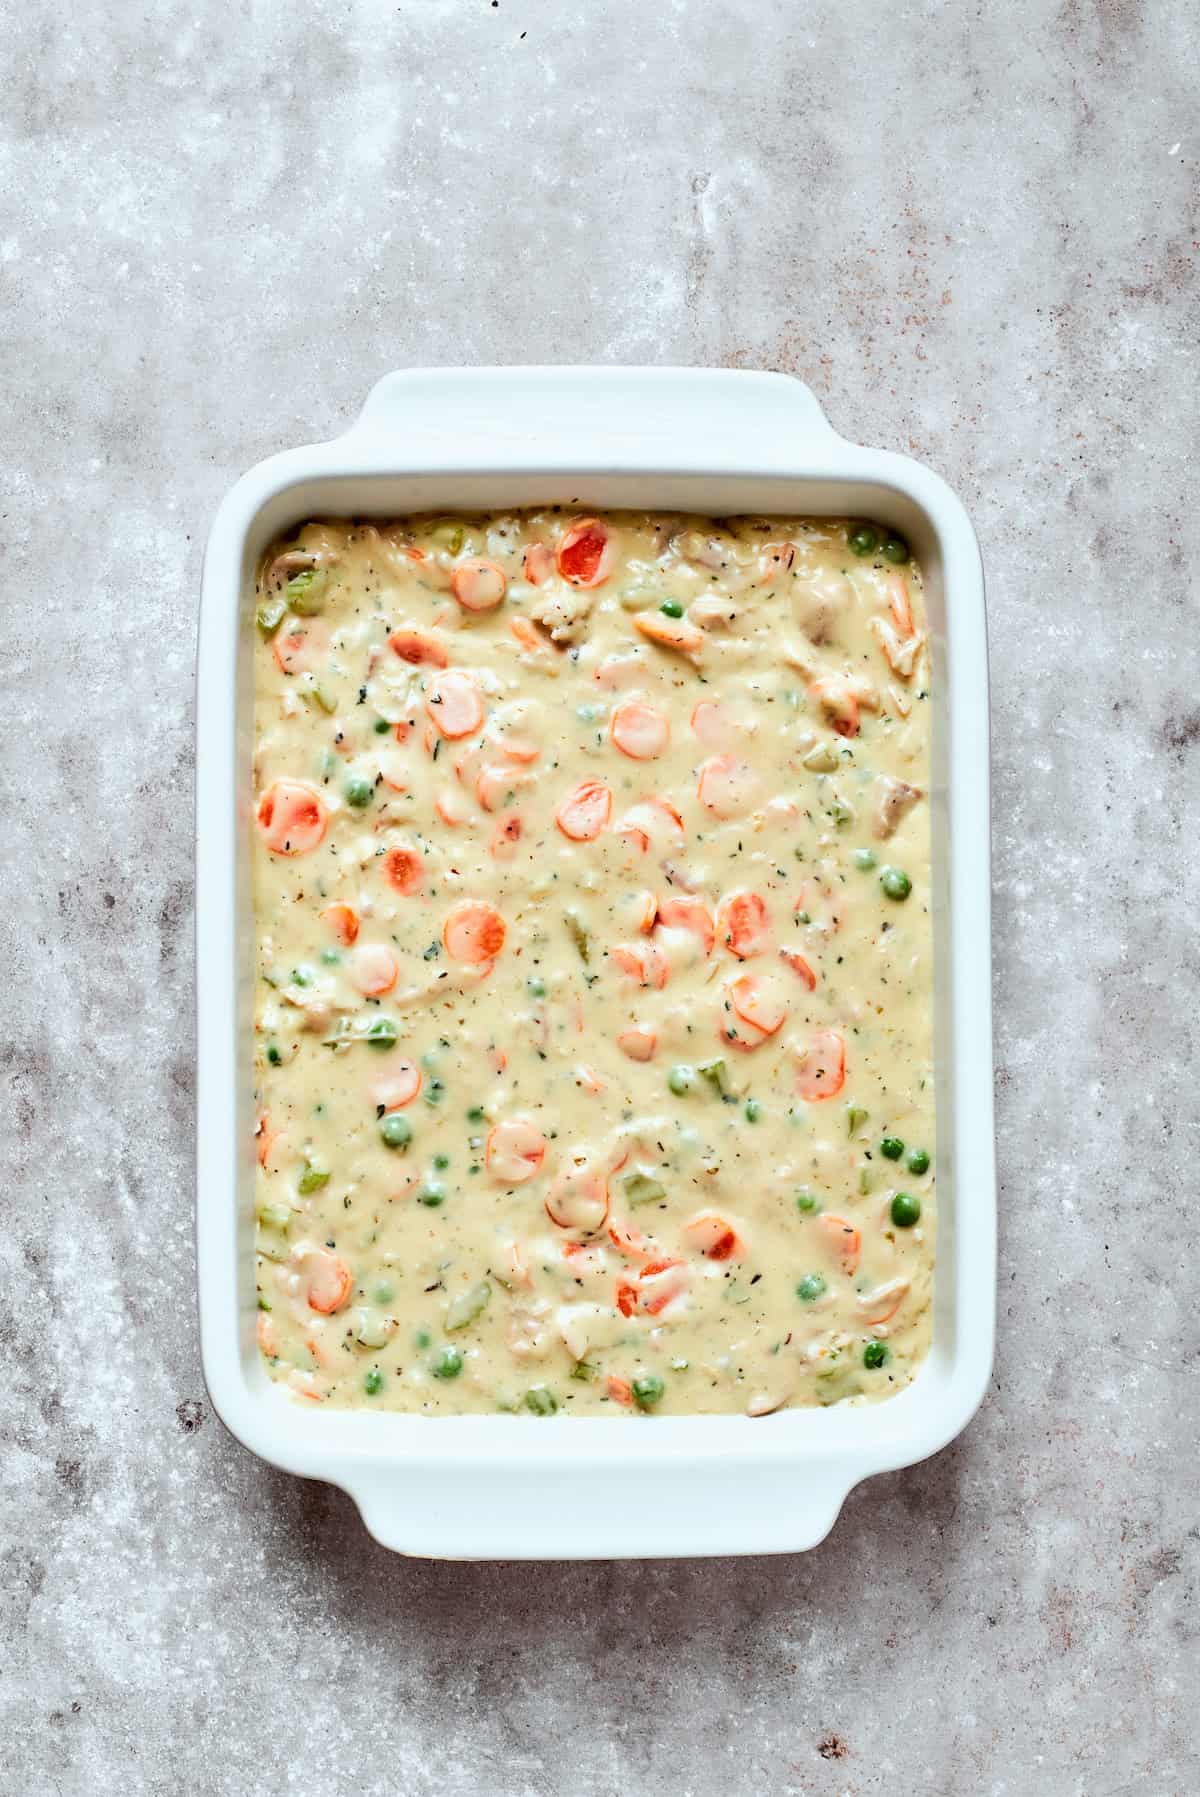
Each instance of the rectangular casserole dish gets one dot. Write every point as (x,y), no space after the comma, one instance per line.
(709,441)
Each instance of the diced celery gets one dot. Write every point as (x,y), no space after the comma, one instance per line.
(467,1306)
(305,592)
(313,1178)
(716,1073)
(640,1188)
(270,616)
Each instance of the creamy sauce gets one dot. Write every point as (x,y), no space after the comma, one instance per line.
(594,1037)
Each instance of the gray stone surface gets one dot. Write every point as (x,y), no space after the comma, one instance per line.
(973,230)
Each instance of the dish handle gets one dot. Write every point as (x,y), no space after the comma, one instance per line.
(581,417)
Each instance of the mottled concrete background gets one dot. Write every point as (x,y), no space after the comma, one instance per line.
(974,230)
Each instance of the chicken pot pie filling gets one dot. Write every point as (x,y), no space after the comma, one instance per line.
(593,1051)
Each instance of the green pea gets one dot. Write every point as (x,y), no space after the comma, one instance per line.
(373,1382)
(382,727)
(422,1338)
(396,1131)
(301,976)
(383,1292)
(753,1110)
(891,1148)
(864,540)
(805,1201)
(441,1162)
(358,791)
(431,1195)
(895,549)
(810,1288)
(273,1054)
(647,1390)
(382,1033)
(906,1210)
(476,1114)
(537,987)
(434,1091)
(918,1161)
(447,1364)
(681,1080)
(875,1354)
(330,956)
(864,858)
(895,882)
(541,1400)
(671,608)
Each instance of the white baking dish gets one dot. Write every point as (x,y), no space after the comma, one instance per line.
(522,1487)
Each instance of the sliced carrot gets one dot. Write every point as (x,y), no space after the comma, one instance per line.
(518,748)
(757,1000)
(653,820)
(744,924)
(419,649)
(342,920)
(821,1069)
(670,633)
(638,1044)
(404,869)
(300,646)
(643,908)
(654,1287)
(455,704)
(450,806)
(264,1135)
(844,1239)
(727,786)
(494,784)
(393,771)
(578,1199)
(585,811)
(474,932)
(689,914)
(292,817)
(643,962)
(265,1332)
(478,584)
(514,1151)
(374,969)
(881,1305)
(629,1240)
(538,564)
(639,731)
(714,1236)
(799,966)
(714,724)
(619,1390)
(330,1281)
(900,603)
(398,1087)
(506,836)
(527,633)
(586,552)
